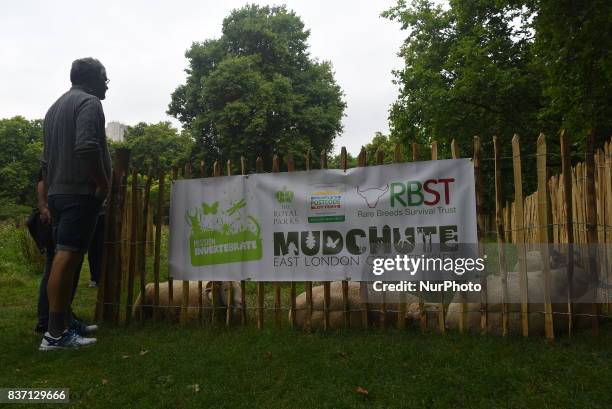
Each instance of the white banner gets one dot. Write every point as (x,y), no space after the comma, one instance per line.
(318,225)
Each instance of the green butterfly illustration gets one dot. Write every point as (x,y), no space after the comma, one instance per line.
(210,209)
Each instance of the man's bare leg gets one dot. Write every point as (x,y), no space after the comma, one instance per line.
(59,289)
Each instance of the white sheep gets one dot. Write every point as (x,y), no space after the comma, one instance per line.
(535,286)
(172,311)
(336,307)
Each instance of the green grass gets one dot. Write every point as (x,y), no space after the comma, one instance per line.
(157,365)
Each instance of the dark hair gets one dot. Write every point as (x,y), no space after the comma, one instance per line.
(85,70)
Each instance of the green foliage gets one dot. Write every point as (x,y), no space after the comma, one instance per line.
(30,254)
(156,146)
(334,162)
(9,211)
(153,198)
(380,142)
(255,91)
(495,67)
(20,153)
(20,259)
(113,146)
(572,42)
(469,71)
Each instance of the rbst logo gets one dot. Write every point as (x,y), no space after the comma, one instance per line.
(415,193)
(432,192)
(372,195)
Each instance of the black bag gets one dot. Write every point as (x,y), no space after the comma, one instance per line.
(40,232)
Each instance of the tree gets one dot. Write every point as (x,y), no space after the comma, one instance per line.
(335,161)
(20,153)
(157,146)
(500,67)
(255,91)
(469,70)
(380,142)
(572,43)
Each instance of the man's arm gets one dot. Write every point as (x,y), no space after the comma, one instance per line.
(87,146)
(96,172)
(41,195)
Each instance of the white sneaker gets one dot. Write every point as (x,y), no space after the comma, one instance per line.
(69,339)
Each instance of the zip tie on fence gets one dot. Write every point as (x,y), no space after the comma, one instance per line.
(428,308)
(251,307)
(480,311)
(537,226)
(535,155)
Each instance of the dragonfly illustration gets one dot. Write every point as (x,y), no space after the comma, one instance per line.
(237,206)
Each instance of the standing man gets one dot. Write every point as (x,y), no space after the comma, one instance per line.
(76,170)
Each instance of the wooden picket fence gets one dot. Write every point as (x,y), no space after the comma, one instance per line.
(577,190)
(562,210)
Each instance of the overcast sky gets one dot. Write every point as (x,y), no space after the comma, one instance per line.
(142,45)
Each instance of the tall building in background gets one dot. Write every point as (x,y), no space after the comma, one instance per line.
(115,131)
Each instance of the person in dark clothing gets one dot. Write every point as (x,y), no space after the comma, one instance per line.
(94,253)
(76,170)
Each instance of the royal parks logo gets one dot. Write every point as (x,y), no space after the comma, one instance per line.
(284,195)
(287,214)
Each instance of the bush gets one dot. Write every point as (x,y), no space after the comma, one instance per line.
(11,212)
(29,251)
(19,255)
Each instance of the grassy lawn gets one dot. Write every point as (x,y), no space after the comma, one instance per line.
(167,366)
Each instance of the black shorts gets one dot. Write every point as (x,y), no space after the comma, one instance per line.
(74,219)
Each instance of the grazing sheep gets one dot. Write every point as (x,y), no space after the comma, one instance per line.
(535,286)
(336,315)
(172,311)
